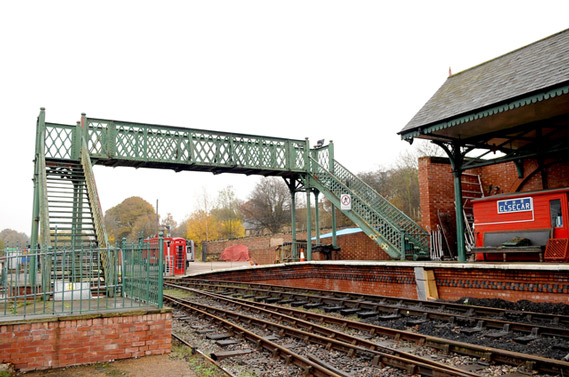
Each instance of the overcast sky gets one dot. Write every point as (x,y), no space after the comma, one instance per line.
(354,72)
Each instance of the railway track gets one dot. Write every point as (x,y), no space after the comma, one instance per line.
(301,324)
(314,354)
(546,333)
(386,304)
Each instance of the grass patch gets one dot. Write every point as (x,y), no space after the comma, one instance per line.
(197,363)
(178,293)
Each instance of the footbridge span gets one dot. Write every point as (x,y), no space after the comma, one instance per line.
(66,198)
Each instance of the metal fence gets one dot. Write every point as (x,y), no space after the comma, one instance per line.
(67,281)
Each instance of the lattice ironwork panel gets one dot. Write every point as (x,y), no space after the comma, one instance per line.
(323,155)
(130,142)
(162,146)
(210,149)
(97,138)
(299,149)
(58,141)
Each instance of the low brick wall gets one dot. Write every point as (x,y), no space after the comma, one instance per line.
(542,283)
(355,246)
(56,342)
(506,284)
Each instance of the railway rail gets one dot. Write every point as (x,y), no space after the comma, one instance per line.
(310,322)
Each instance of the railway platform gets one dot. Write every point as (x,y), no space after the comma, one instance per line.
(536,282)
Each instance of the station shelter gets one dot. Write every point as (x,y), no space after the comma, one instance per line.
(503,125)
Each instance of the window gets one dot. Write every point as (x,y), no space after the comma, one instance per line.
(555,213)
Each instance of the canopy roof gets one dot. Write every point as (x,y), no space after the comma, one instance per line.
(505,104)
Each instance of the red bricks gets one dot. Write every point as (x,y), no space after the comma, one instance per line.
(59,343)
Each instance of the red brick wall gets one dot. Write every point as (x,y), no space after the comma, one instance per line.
(394,281)
(436,185)
(509,285)
(44,344)
(358,246)
(399,280)
(436,190)
(355,246)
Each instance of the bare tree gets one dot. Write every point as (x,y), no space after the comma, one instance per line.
(268,205)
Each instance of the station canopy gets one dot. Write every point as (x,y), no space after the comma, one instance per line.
(516,104)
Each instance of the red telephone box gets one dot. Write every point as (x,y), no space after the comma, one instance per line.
(174,252)
(535,216)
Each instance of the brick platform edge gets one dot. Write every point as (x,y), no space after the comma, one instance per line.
(545,282)
(56,342)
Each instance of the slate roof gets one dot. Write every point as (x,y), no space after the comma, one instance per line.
(536,67)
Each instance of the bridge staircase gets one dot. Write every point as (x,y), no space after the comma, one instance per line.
(397,234)
(72,236)
(71,221)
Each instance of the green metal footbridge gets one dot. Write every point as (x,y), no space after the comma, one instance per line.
(66,199)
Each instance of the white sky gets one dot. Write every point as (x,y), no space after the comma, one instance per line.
(350,71)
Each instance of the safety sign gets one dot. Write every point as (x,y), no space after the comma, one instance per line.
(346,202)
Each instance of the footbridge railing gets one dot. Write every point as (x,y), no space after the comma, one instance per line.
(119,143)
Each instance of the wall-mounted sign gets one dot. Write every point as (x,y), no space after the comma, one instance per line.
(515,205)
(346,202)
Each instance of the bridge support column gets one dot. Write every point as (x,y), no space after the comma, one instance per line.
(334,241)
(34,249)
(293,223)
(308,226)
(316,217)
(331,168)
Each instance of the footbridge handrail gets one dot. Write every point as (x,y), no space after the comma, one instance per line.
(153,144)
(389,232)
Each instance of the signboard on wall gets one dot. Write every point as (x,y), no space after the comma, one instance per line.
(515,205)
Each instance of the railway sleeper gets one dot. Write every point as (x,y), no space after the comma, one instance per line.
(285,301)
(349,311)
(368,314)
(528,338)
(473,330)
(227,354)
(498,334)
(418,321)
(332,308)
(387,317)
(296,304)
(226,342)
(219,336)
